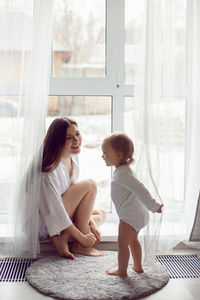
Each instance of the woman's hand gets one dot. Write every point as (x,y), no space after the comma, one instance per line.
(88,240)
(94,229)
(96,232)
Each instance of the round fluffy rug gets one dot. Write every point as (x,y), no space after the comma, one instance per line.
(85,278)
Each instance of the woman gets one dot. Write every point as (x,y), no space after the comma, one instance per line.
(66,206)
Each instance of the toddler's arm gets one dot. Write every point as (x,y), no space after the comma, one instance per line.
(128,180)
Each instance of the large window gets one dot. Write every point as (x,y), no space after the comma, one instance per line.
(135,19)
(93,115)
(93,73)
(171,146)
(88,76)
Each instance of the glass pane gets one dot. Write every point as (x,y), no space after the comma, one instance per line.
(173,32)
(16,21)
(93,115)
(167,139)
(134,20)
(79,38)
(9,143)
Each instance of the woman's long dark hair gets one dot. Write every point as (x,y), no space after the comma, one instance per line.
(54,142)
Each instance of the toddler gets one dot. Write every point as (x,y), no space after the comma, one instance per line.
(131,199)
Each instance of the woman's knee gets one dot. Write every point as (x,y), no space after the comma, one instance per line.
(92,186)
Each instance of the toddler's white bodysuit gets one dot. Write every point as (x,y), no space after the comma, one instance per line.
(131,198)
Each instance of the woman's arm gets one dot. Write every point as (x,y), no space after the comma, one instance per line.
(94,229)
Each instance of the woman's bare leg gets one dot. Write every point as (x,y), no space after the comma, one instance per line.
(84,209)
(60,242)
(99,216)
(79,201)
(71,199)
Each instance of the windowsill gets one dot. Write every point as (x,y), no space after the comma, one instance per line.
(5,232)
(109,235)
(109,232)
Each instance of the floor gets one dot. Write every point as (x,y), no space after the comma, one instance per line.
(179,289)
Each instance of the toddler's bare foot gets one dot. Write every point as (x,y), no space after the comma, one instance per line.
(137,269)
(116,273)
(61,246)
(89,251)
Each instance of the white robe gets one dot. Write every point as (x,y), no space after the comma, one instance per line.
(131,199)
(53,216)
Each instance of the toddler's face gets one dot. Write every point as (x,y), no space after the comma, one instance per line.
(110,156)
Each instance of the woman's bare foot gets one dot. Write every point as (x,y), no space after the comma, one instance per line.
(89,251)
(99,216)
(138,269)
(61,245)
(116,273)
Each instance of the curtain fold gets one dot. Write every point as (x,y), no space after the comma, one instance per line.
(192,171)
(195,233)
(32,93)
(166,125)
(167,163)
(159,117)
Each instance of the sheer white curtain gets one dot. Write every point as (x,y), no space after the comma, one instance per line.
(193,123)
(27,28)
(159,115)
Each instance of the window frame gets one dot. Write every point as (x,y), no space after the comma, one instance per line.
(113,84)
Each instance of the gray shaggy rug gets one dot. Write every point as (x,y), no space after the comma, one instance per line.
(85,278)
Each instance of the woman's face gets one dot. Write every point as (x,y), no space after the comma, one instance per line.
(73,140)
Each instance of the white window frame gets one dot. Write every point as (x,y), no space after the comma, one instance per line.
(112,84)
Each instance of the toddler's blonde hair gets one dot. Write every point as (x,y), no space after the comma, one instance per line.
(120,142)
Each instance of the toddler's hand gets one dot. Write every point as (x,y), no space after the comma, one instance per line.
(89,240)
(159,210)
